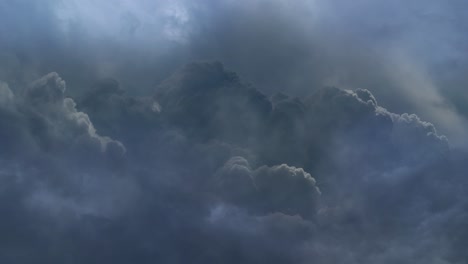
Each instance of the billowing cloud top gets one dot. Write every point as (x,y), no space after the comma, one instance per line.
(209,169)
(250,131)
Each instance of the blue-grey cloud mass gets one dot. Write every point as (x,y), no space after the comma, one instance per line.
(219,131)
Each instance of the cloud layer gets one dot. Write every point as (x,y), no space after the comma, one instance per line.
(410,55)
(208,169)
(340,138)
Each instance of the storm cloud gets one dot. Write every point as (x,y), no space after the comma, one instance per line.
(411,55)
(199,174)
(233,132)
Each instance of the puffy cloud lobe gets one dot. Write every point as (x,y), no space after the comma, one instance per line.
(290,190)
(354,119)
(208,101)
(409,131)
(281,188)
(53,123)
(119,115)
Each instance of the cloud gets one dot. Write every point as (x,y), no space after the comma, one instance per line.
(281,188)
(116,113)
(356,115)
(141,159)
(43,120)
(295,47)
(6,95)
(209,101)
(213,170)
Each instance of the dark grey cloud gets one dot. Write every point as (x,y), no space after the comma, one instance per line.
(410,55)
(209,169)
(280,188)
(43,119)
(141,159)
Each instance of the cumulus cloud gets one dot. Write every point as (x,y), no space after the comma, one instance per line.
(356,114)
(139,159)
(219,104)
(281,188)
(51,122)
(115,112)
(213,170)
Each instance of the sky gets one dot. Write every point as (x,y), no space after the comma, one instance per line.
(222,131)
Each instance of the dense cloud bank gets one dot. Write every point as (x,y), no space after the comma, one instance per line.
(412,56)
(210,170)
